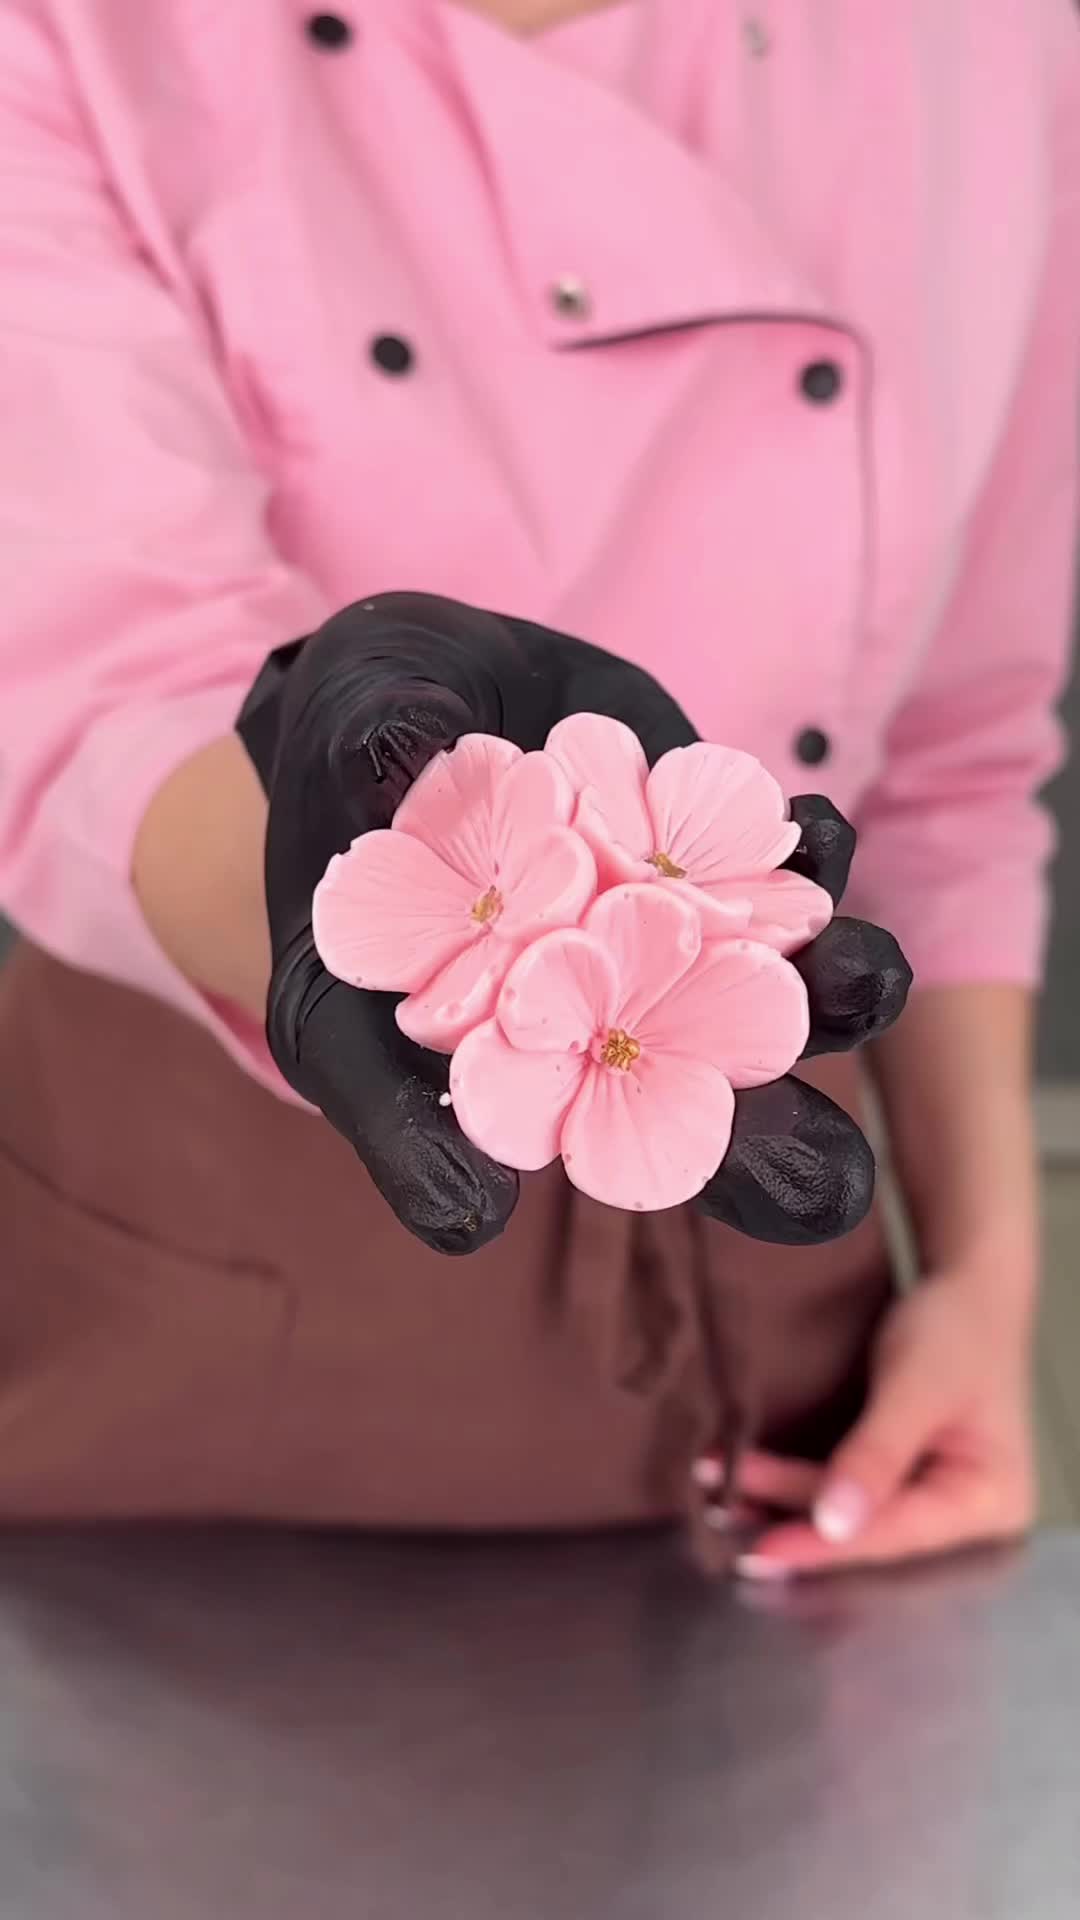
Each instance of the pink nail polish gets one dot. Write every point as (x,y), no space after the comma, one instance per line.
(757,1566)
(841,1512)
(706,1473)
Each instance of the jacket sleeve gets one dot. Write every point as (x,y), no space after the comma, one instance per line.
(954,842)
(141,588)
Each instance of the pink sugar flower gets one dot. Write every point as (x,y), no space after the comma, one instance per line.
(707,821)
(619,1045)
(478,862)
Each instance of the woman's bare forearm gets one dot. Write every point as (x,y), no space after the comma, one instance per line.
(955,1080)
(197,869)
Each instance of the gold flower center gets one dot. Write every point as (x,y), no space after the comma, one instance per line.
(488,907)
(620,1050)
(665,864)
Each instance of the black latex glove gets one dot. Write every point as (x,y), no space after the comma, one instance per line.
(338,726)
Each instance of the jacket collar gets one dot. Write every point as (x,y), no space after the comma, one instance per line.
(611,192)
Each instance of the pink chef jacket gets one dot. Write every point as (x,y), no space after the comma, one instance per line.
(739,338)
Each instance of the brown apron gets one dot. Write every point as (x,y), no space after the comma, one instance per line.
(206,1310)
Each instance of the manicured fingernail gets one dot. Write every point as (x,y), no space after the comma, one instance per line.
(706,1473)
(757,1566)
(722,1519)
(841,1512)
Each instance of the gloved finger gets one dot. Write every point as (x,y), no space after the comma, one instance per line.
(370,661)
(589,680)
(410,646)
(322,800)
(825,852)
(363,707)
(798,1171)
(344,1052)
(375,758)
(857,980)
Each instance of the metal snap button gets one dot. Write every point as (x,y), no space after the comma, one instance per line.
(570,297)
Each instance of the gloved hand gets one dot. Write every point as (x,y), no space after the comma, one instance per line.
(338,727)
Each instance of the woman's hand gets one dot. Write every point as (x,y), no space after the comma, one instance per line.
(942,1457)
(338,726)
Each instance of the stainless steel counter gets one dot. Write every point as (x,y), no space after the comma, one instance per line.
(223,1728)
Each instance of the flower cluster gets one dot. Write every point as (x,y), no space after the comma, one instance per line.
(600,947)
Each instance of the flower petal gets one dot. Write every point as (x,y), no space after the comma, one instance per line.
(459,997)
(546,882)
(532,796)
(650,1137)
(741,1007)
(451,805)
(725,907)
(559,994)
(788,910)
(616,862)
(781,909)
(607,768)
(717,813)
(510,1104)
(389,913)
(596,751)
(653,935)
